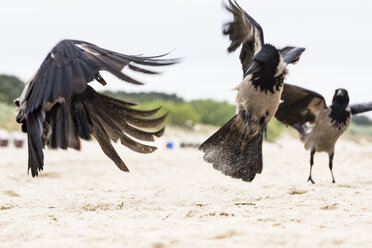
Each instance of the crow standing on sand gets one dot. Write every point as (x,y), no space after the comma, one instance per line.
(57,106)
(300,106)
(236,148)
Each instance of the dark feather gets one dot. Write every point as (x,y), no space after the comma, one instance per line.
(104,141)
(74,110)
(245,31)
(108,120)
(291,55)
(360,108)
(100,79)
(143,70)
(35,146)
(72,64)
(64,133)
(122,124)
(56,86)
(120,108)
(232,153)
(115,132)
(82,120)
(299,105)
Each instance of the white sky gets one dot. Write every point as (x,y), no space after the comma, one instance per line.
(336,35)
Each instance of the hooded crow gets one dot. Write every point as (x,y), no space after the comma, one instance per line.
(236,148)
(300,106)
(57,106)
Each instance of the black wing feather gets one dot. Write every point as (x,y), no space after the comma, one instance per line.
(74,110)
(80,63)
(56,86)
(35,145)
(360,108)
(105,118)
(104,141)
(245,31)
(291,54)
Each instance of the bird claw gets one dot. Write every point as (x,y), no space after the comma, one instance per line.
(265,131)
(247,116)
(311,180)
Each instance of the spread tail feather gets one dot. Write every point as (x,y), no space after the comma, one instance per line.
(233,153)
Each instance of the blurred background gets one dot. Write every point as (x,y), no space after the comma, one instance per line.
(336,35)
(172,198)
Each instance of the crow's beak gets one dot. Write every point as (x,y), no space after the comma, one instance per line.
(255,66)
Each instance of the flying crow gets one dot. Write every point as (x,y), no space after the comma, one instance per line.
(57,106)
(301,106)
(236,148)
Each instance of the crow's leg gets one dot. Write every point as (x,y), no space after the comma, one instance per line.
(331,155)
(265,131)
(263,124)
(247,116)
(311,165)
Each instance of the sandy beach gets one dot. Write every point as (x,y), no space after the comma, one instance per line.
(173,199)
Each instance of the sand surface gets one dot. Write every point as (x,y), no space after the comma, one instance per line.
(173,199)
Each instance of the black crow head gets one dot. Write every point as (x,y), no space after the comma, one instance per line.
(341,97)
(339,113)
(267,55)
(266,61)
(267,69)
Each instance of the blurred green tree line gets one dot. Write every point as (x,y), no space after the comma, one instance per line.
(10,88)
(185,114)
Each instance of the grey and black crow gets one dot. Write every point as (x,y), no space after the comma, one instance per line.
(300,106)
(236,148)
(58,107)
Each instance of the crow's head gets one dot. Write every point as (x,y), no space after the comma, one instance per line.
(266,61)
(341,97)
(339,113)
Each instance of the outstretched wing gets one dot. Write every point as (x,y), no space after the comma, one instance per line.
(57,107)
(91,114)
(72,64)
(245,31)
(360,108)
(299,105)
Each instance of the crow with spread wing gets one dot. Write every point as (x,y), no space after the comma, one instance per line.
(300,106)
(57,106)
(236,148)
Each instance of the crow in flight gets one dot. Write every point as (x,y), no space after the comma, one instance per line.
(300,106)
(57,106)
(236,148)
